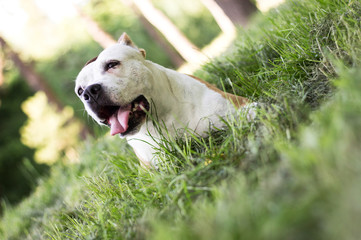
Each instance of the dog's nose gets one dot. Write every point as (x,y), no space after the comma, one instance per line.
(92,92)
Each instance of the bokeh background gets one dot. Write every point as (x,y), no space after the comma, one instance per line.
(45,43)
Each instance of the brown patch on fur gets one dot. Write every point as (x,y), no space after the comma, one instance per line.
(238,101)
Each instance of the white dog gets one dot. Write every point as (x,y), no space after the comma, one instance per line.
(124,91)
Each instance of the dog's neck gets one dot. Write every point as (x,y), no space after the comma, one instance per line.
(187,97)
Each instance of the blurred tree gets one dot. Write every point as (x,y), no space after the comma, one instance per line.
(223,21)
(53,134)
(34,80)
(18,171)
(174,56)
(175,37)
(238,11)
(96,32)
(192,18)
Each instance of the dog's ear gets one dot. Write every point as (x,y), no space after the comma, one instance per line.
(125,40)
(90,61)
(143,52)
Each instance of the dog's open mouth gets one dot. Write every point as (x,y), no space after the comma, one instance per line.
(125,119)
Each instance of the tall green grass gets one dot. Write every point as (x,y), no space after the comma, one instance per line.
(293,173)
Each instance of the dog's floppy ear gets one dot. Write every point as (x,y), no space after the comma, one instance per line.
(90,61)
(125,40)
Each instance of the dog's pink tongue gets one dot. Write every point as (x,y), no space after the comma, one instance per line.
(119,121)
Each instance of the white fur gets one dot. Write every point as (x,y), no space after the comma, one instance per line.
(179,100)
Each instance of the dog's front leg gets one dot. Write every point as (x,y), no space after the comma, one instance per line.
(145,151)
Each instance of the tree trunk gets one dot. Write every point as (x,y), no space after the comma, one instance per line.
(175,37)
(174,56)
(34,80)
(238,11)
(223,21)
(97,33)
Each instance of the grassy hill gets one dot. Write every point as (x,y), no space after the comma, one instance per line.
(294,173)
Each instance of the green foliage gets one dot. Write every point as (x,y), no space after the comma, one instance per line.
(293,173)
(57,196)
(192,18)
(18,182)
(312,192)
(52,133)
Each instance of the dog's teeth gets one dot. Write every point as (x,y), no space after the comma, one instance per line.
(135,107)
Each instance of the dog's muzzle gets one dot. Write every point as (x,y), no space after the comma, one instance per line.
(97,101)
(122,119)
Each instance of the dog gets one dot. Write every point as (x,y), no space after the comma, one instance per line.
(126,92)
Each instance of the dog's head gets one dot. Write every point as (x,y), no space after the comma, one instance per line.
(114,87)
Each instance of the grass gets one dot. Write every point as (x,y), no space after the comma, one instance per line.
(292,174)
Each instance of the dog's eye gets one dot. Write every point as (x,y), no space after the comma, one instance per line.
(111,64)
(80,91)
